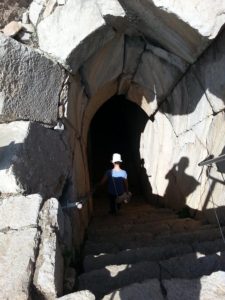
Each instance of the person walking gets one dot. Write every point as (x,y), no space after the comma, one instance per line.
(117,183)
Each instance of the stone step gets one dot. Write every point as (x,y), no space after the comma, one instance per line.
(204,288)
(82,295)
(154,227)
(187,266)
(148,290)
(113,221)
(133,209)
(113,244)
(92,262)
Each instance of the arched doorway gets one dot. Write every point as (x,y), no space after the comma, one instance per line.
(117,127)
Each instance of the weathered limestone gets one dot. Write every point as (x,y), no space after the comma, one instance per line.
(18,242)
(133,50)
(205,288)
(157,73)
(12,28)
(107,47)
(82,295)
(189,127)
(192,265)
(70,44)
(103,67)
(206,18)
(35,9)
(182,32)
(12,10)
(129,274)
(117,276)
(106,92)
(183,29)
(76,106)
(147,290)
(19,212)
(199,95)
(30,84)
(49,269)
(113,13)
(28,164)
(17,257)
(133,256)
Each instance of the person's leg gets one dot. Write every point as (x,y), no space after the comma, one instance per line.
(112,204)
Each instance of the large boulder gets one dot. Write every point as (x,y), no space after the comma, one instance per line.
(17,257)
(184,32)
(82,295)
(177,26)
(19,212)
(49,269)
(30,84)
(149,289)
(34,159)
(199,95)
(188,127)
(19,240)
(204,288)
(156,75)
(74,31)
(103,67)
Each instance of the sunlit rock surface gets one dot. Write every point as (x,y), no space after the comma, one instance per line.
(19,238)
(49,269)
(70,44)
(30,84)
(192,122)
(25,153)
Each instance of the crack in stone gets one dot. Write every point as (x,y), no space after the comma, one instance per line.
(204,146)
(203,89)
(131,79)
(162,286)
(84,84)
(165,98)
(194,125)
(23,228)
(36,254)
(139,60)
(171,125)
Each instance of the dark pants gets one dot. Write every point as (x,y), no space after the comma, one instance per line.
(113,206)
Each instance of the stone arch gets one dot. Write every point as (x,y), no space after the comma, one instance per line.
(124,49)
(117,126)
(163,55)
(143,80)
(80,113)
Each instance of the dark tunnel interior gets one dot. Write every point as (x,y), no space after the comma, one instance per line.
(116,128)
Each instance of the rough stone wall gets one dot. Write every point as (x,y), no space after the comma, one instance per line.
(188,128)
(35,162)
(12,10)
(87,52)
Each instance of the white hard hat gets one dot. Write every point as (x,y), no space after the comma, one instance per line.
(116,157)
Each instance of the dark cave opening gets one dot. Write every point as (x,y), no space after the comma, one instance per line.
(116,128)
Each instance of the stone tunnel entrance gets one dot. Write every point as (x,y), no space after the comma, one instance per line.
(116,128)
(59,65)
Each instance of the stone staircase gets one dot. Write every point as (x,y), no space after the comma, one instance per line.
(150,253)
